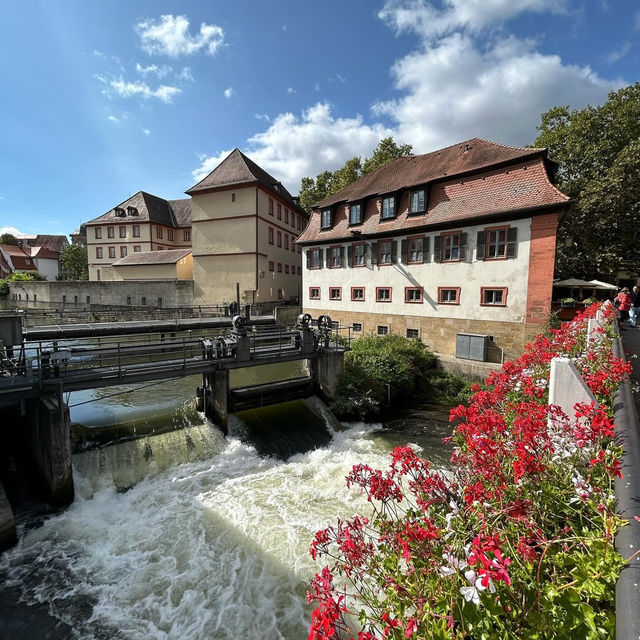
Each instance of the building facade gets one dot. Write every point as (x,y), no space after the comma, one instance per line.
(244,228)
(141,223)
(458,241)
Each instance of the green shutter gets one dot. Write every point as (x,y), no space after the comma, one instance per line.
(437,249)
(512,242)
(374,253)
(463,246)
(342,257)
(480,245)
(426,254)
(404,257)
(350,255)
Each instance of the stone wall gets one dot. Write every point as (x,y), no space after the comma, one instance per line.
(439,334)
(84,293)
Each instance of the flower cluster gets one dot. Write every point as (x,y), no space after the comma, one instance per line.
(515,540)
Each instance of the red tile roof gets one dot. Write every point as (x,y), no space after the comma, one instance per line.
(521,184)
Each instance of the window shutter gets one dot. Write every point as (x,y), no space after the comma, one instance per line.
(342,257)
(320,258)
(404,258)
(463,246)
(327,257)
(480,246)
(437,249)
(512,242)
(374,253)
(309,259)
(350,256)
(426,254)
(394,251)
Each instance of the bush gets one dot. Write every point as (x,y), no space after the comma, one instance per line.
(4,289)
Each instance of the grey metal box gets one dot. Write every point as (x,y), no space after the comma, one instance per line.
(472,346)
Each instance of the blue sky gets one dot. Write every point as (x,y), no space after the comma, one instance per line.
(101,100)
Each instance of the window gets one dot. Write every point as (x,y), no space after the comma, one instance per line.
(293,220)
(355,213)
(270,207)
(88,299)
(98,274)
(497,243)
(314,259)
(270,235)
(233,197)
(357,294)
(187,236)
(293,269)
(286,215)
(129,300)
(314,293)
(136,230)
(286,240)
(335,293)
(122,231)
(279,267)
(413,294)
(383,294)
(143,301)
(325,220)
(383,330)
(417,201)
(336,257)
(111,232)
(293,246)
(286,269)
(450,247)
(137,248)
(448,295)
(272,265)
(159,302)
(64,298)
(299,269)
(98,252)
(413,333)
(169,234)
(75,299)
(359,254)
(158,232)
(385,252)
(98,233)
(279,211)
(279,238)
(415,250)
(357,327)
(112,252)
(123,252)
(299,224)
(495,297)
(388,207)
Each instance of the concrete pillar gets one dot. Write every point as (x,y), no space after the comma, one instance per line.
(216,400)
(50,446)
(7,524)
(327,368)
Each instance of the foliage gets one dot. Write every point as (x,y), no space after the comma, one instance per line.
(32,274)
(330,182)
(74,263)
(375,364)
(598,154)
(8,238)
(21,277)
(4,289)
(514,542)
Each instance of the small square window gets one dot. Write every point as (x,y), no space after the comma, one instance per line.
(335,293)
(357,294)
(413,295)
(137,248)
(496,297)
(383,330)
(314,293)
(357,327)
(449,295)
(383,294)
(413,333)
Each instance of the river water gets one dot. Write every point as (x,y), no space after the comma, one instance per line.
(183,534)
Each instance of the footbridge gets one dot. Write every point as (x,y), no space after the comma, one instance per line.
(39,365)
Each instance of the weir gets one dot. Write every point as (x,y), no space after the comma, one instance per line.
(34,378)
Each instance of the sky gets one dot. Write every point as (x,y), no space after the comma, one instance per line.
(102,99)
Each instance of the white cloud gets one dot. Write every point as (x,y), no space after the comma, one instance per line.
(159,72)
(290,91)
(283,149)
(619,53)
(228,92)
(12,230)
(145,131)
(113,119)
(170,36)
(185,74)
(262,116)
(126,89)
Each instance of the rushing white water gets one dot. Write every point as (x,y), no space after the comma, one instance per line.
(216,547)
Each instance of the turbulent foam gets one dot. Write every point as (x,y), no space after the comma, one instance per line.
(213,548)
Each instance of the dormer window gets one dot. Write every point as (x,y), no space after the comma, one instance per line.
(132,211)
(355,213)
(388,208)
(325,219)
(417,201)
(119,211)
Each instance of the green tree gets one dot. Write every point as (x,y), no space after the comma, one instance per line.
(8,238)
(598,154)
(74,263)
(330,182)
